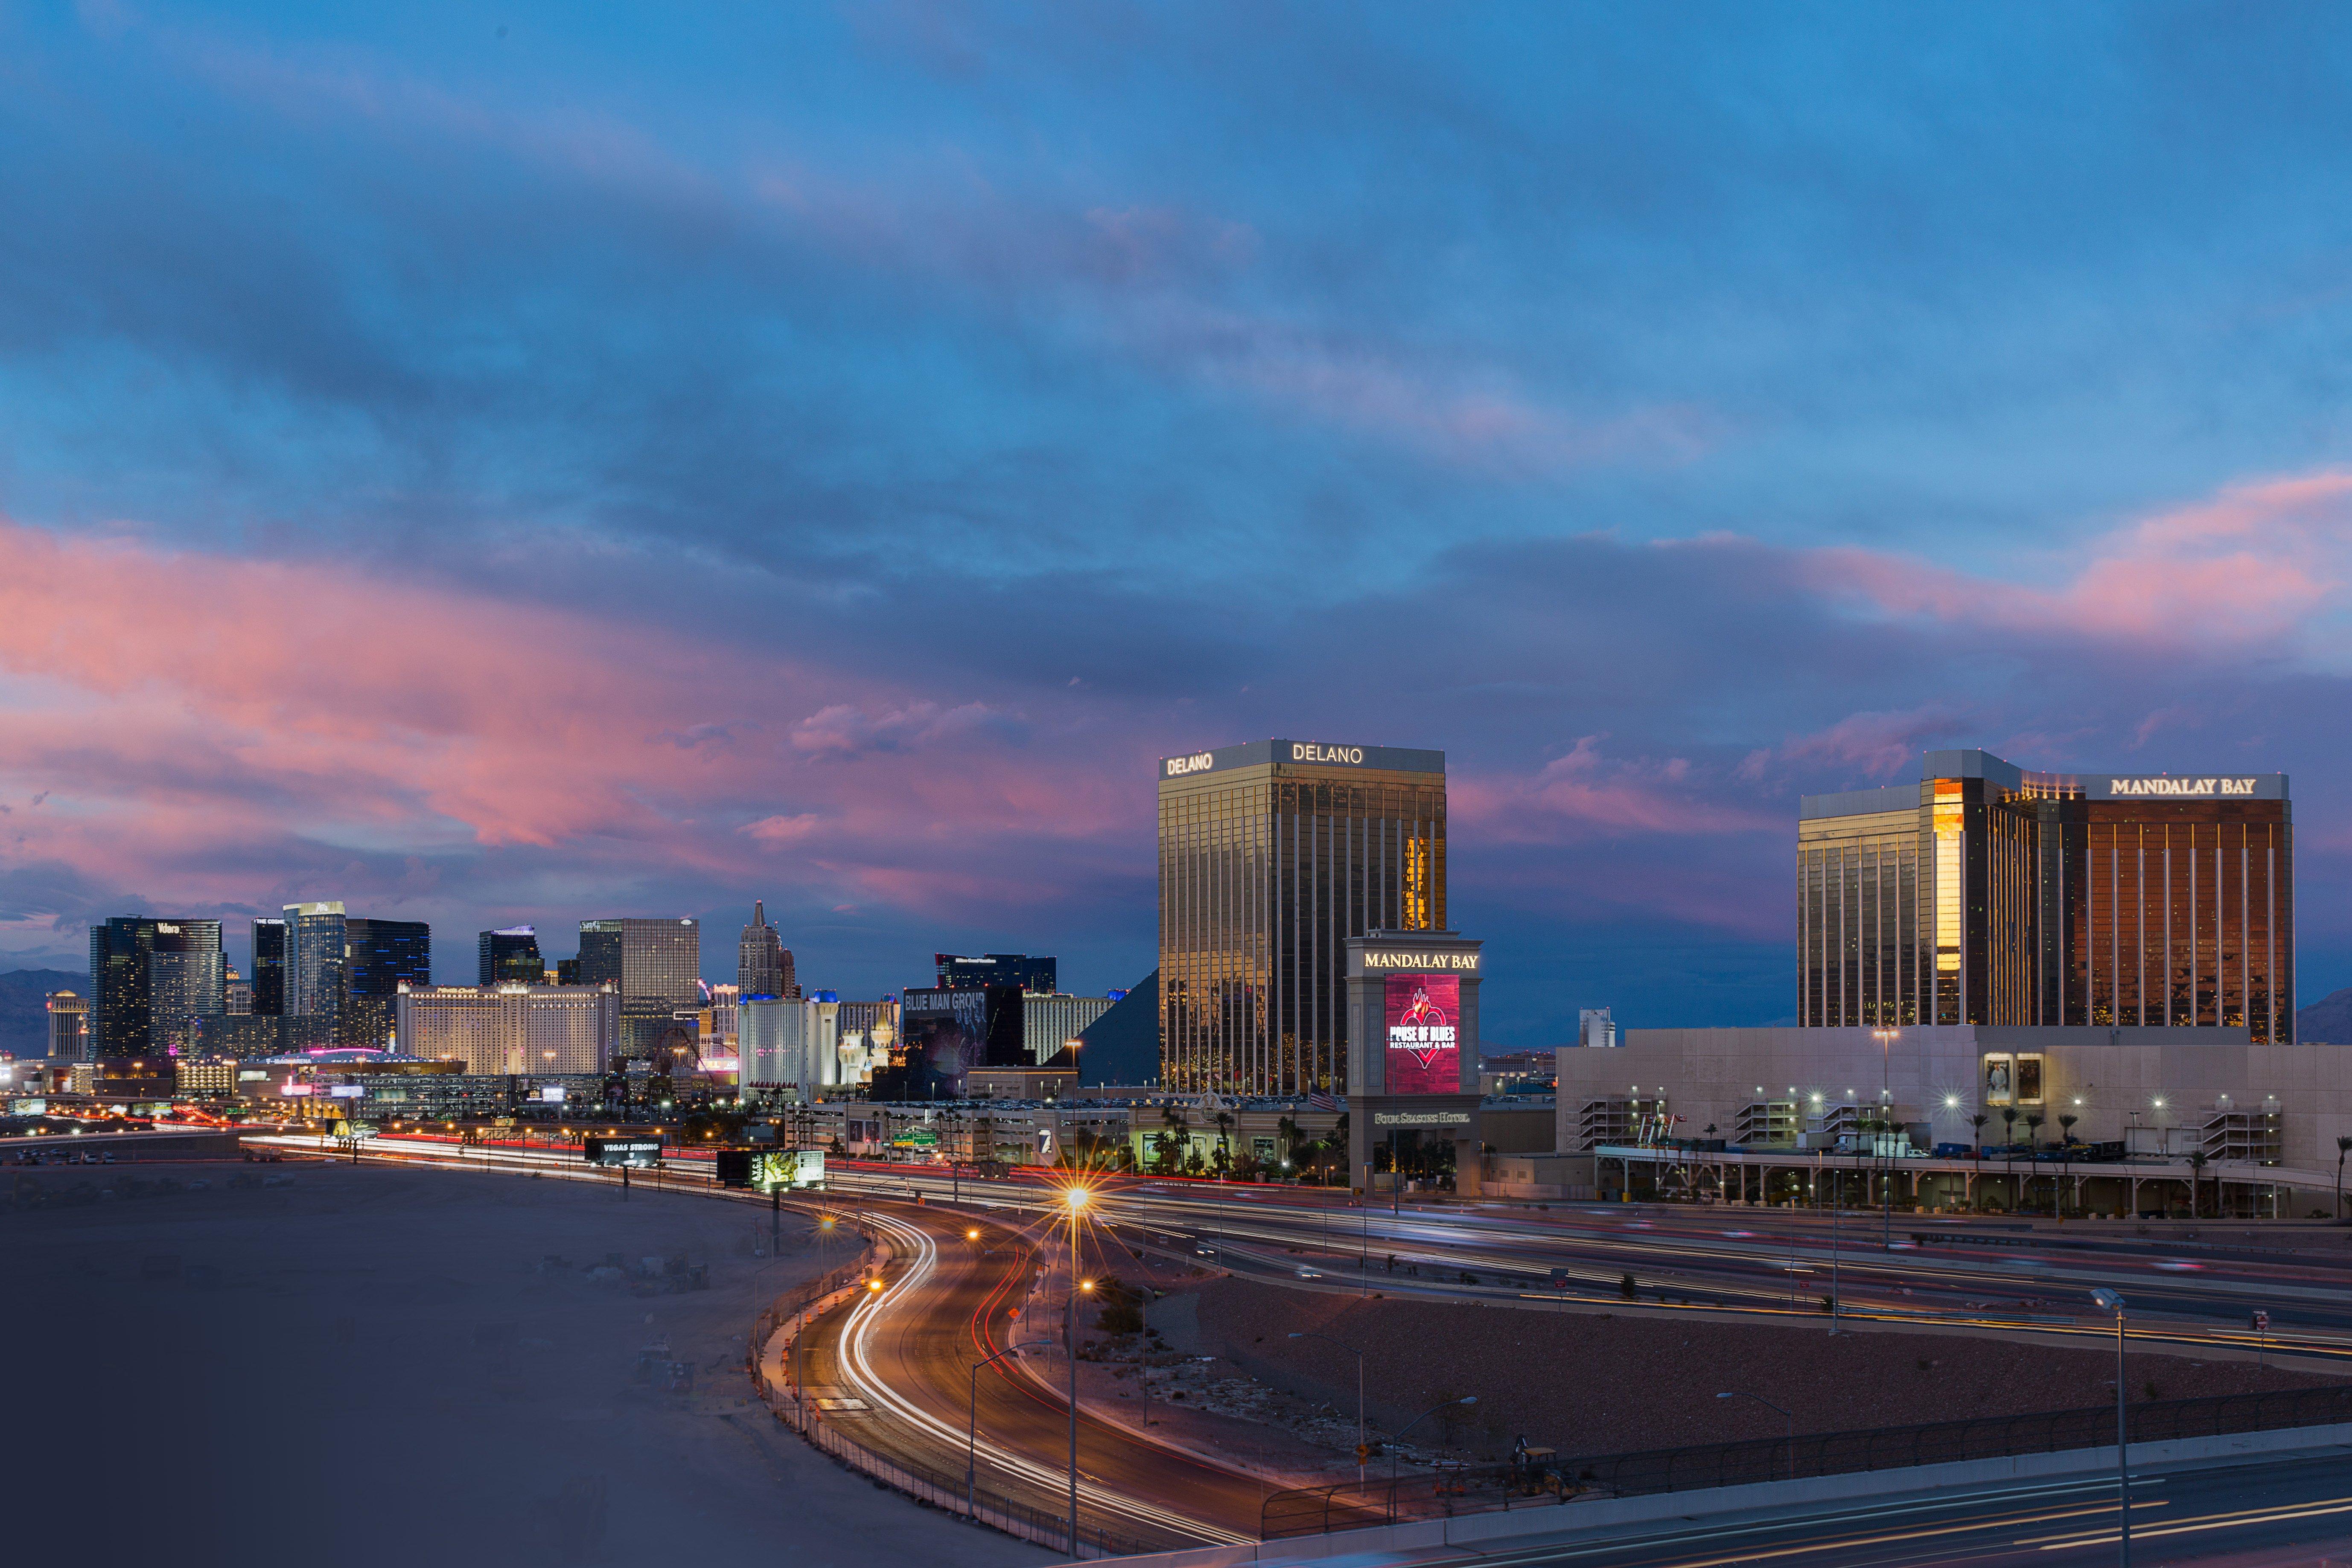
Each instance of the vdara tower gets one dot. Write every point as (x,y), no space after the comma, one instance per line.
(1987,893)
(1271,855)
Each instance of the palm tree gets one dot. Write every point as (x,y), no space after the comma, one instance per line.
(2343,1147)
(2033,1124)
(1225,1126)
(2008,1151)
(2195,1179)
(1287,1138)
(2066,1143)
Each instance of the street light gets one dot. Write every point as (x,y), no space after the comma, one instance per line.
(972,1421)
(1886,1038)
(2110,1301)
(1743,1394)
(1361,1451)
(1075,1198)
(1470,1399)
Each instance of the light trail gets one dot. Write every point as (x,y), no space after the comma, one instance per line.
(856,1341)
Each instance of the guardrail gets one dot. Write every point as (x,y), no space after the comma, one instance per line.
(1316,1510)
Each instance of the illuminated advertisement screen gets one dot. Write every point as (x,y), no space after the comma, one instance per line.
(1425,1040)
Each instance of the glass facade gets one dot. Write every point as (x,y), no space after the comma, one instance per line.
(269,968)
(124,1004)
(509,957)
(657,963)
(2049,898)
(1266,867)
(316,960)
(381,956)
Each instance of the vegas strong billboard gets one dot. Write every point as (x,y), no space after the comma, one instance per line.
(1424,1037)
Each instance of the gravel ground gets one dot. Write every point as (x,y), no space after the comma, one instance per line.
(370,1365)
(1591,1383)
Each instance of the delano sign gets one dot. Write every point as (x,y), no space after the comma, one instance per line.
(2186,787)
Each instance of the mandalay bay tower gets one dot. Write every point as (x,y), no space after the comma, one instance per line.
(1987,893)
(1271,855)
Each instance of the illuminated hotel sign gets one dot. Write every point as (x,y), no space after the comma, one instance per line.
(2182,786)
(1312,753)
(1386,961)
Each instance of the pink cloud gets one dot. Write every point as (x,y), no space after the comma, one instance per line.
(2256,564)
(1585,793)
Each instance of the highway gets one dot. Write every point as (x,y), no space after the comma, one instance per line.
(2294,1510)
(2198,1292)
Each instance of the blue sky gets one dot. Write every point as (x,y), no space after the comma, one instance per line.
(521,465)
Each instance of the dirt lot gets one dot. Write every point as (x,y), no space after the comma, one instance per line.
(1610,1383)
(371,1365)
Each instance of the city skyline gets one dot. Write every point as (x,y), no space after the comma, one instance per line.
(1124,389)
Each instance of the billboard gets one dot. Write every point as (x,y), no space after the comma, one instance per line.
(1424,1047)
(622,1150)
(943,1034)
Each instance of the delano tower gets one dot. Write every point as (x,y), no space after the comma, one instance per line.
(1271,855)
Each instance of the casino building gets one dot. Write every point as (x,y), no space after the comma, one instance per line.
(1990,894)
(1273,854)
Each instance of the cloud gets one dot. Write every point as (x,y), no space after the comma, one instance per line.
(2260,566)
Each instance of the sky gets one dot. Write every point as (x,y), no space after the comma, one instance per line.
(526,464)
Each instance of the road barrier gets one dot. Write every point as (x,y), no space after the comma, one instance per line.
(1316,1510)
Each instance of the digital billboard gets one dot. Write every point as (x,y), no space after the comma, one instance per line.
(1424,1044)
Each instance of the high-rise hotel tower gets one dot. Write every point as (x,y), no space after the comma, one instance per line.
(1271,855)
(1989,894)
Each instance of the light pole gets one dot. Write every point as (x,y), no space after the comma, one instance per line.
(1077,1200)
(972,1421)
(1471,1399)
(1743,1394)
(1886,1038)
(2108,1301)
(1360,1451)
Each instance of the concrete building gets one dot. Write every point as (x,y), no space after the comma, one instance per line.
(550,1029)
(68,1026)
(1271,855)
(1413,1104)
(2265,1116)
(1049,1023)
(763,964)
(788,1049)
(1987,893)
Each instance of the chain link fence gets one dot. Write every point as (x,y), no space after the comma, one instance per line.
(1315,1510)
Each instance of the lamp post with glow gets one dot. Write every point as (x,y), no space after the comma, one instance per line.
(1886,1038)
(972,1423)
(2110,1301)
(1360,1451)
(1075,1200)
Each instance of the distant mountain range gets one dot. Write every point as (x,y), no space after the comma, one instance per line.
(25,1007)
(2327,1020)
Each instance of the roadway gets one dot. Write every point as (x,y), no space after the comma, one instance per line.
(1994,1277)
(2287,1509)
(953,1299)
